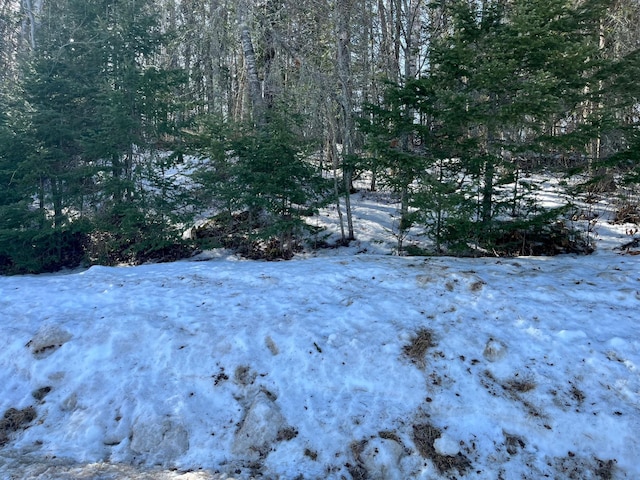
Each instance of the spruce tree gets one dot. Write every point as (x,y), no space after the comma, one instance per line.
(261,181)
(98,106)
(501,83)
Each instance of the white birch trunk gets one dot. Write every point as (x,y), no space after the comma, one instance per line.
(255,89)
(346,99)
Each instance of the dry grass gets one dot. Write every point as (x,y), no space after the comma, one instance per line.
(514,443)
(286,434)
(40,393)
(513,389)
(389,435)
(14,420)
(423,436)
(627,214)
(577,394)
(520,385)
(420,343)
(312,454)
(605,469)
(357,471)
(575,467)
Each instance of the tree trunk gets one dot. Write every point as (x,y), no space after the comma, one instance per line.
(346,101)
(487,191)
(489,170)
(596,108)
(253,79)
(332,151)
(412,38)
(31,11)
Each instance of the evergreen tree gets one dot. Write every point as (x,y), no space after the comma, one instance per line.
(516,68)
(501,84)
(262,181)
(418,156)
(96,107)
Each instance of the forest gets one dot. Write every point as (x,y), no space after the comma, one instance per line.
(123,122)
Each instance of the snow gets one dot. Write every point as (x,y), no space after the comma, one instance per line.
(238,369)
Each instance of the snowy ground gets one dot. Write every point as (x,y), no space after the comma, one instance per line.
(344,365)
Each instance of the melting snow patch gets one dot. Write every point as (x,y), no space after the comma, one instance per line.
(381,458)
(48,339)
(494,350)
(159,440)
(260,428)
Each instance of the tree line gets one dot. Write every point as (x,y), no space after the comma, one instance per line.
(449,104)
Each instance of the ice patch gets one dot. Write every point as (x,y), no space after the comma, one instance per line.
(259,429)
(159,440)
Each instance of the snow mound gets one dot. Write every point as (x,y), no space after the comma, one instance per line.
(47,340)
